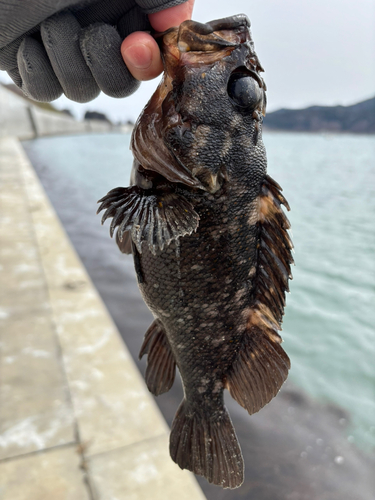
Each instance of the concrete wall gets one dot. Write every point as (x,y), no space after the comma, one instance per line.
(22,119)
(76,419)
(14,116)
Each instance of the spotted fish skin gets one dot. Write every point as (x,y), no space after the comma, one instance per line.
(200,286)
(209,238)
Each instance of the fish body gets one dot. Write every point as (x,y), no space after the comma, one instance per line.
(209,238)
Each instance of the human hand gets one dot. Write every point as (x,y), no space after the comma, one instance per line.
(77,51)
(140,51)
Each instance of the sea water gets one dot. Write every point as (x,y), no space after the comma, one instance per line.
(329,181)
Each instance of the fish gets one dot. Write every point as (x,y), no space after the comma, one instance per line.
(209,237)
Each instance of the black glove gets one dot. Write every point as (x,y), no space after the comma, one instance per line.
(75,51)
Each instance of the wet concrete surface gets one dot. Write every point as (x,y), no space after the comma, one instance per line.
(296,448)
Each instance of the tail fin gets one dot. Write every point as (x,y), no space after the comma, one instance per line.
(207,447)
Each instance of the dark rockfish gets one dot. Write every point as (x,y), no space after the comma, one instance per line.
(209,239)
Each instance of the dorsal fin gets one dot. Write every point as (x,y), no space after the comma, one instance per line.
(261,366)
(274,260)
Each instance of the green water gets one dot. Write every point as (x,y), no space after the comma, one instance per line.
(329,182)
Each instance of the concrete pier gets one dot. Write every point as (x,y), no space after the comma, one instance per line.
(76,419)
(25,120)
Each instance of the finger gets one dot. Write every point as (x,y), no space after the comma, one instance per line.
(15,76)
(38,79)
(60,35)
(8,61)
(19,17)
(142,56)
(8,55)
(135,20)
(103,11)
(100,46)
(173,16)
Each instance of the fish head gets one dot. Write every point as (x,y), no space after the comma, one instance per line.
(208,106)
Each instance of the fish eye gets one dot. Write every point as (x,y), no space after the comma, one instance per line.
(243,90)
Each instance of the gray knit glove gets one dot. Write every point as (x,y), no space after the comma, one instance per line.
(48,51)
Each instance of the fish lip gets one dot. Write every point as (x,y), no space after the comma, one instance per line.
(225,23)
(230,23)
(197,37)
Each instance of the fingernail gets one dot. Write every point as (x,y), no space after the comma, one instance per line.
(139,56)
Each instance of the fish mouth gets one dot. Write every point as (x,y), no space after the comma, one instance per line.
(213,36)
(193,36)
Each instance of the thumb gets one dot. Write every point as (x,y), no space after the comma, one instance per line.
(173,16)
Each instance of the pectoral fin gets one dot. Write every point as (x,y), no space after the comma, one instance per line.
(150,217)
(125,245)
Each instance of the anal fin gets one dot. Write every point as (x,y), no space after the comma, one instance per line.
(207,445)
(259,370)
(161,365)
(152,217)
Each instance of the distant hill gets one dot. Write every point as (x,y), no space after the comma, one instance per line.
(358,118)
(95,115)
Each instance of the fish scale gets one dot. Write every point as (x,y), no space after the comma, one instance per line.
(200,285)
(209,239)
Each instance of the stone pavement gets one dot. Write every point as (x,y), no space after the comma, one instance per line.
(76,419)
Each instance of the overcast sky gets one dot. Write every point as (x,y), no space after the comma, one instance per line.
(313,52)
